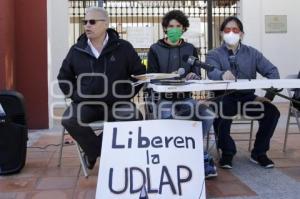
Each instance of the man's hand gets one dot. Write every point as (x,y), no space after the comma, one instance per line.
(192,76)
(262,99)
(228,76)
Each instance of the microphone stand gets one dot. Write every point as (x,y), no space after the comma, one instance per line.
(233,64)
(275,92)
(235,67)
(237,71)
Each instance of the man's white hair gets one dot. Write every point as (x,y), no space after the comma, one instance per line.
(102,11)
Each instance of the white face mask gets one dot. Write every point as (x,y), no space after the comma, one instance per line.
(231,38)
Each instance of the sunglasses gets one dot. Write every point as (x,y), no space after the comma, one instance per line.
(91,21)
(228,30)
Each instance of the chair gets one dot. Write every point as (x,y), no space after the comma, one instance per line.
(292,112)
(96,126)
(244,121)
(238,121)
(79,150)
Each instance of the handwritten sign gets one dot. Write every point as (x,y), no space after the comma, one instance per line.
(152,159)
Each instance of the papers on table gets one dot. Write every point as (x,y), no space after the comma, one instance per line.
(150,76)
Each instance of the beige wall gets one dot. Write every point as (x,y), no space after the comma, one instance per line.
(58,33)
(282,49)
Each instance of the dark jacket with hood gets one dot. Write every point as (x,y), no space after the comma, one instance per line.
(118,61)
(164,58)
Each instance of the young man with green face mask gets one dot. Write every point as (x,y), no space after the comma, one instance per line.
(172,48)
(166,56)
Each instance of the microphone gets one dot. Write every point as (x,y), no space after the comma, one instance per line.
(232,59)
(180,72)
(194,61)
(233,64)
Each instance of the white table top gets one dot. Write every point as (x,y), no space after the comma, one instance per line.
(201,85)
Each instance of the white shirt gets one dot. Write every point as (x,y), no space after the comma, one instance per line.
(94,50)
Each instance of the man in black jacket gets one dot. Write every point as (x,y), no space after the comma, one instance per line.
(96,75)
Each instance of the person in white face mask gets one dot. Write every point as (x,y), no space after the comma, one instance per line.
(232,34)
(233,60)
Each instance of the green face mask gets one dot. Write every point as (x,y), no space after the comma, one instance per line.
(174,34)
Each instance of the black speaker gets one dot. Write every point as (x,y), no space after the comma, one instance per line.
(13,132)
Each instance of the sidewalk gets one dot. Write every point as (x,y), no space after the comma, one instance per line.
(42,179)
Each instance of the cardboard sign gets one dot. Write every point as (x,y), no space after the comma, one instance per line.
(152,159)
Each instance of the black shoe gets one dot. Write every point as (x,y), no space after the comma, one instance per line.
(263,161)
(226,161)
(88,162)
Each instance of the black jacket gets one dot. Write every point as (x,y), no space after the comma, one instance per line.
(118,61)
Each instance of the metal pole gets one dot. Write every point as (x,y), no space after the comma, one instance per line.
(210,24)
(100,3)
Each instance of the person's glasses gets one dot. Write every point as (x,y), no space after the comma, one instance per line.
(228,30)
(91,21)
